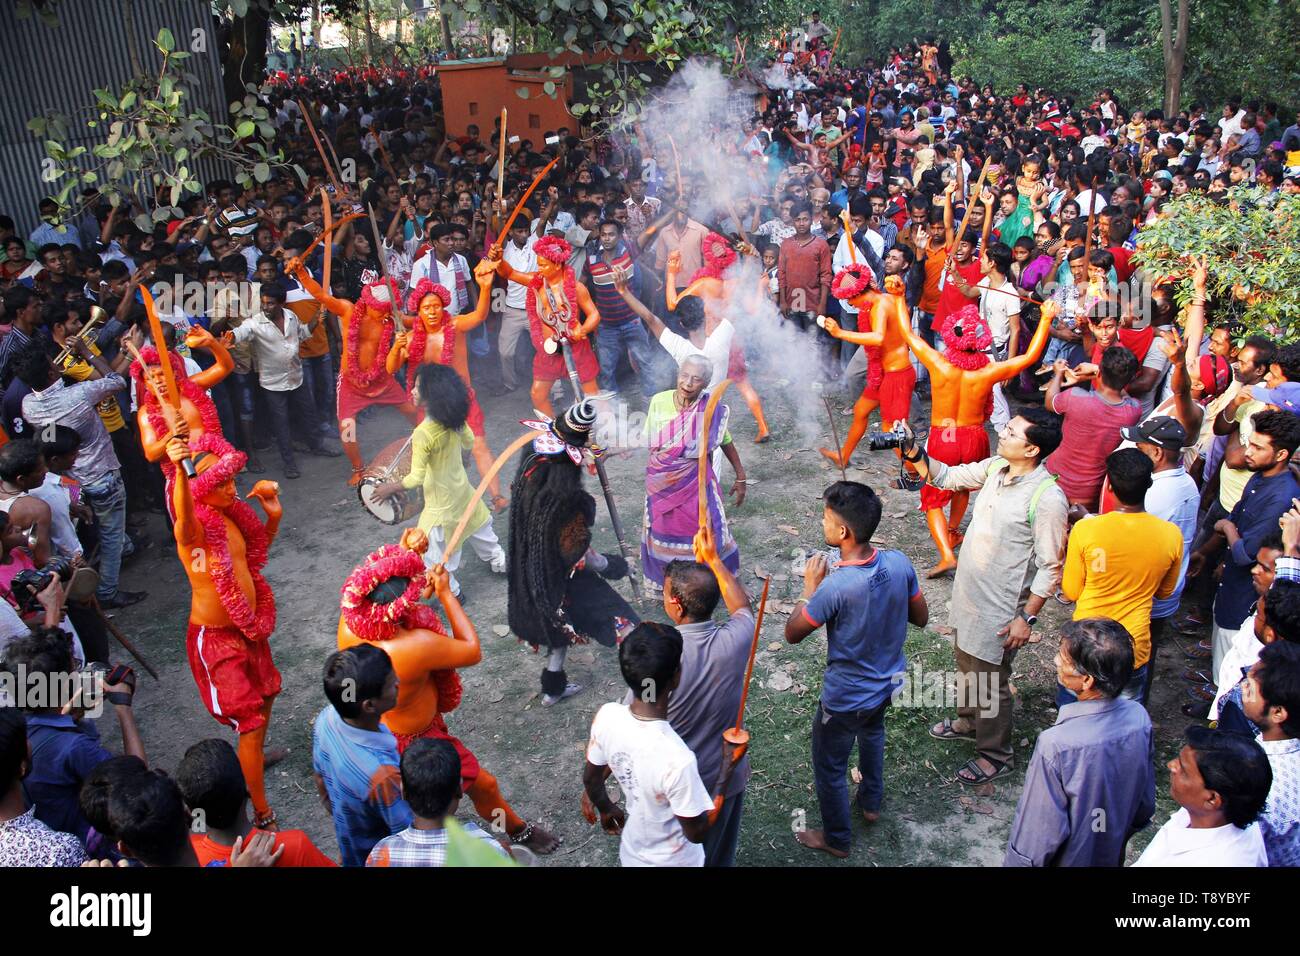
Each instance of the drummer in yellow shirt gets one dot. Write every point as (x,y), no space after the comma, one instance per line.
(1116,564)
(436,467)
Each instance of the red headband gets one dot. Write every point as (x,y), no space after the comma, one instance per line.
(554,249)
(425,287)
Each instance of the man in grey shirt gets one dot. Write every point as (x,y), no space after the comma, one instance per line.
(1091,783)
(52,402)
(1010,564)
(714,659)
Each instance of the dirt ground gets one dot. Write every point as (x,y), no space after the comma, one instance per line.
(537,752)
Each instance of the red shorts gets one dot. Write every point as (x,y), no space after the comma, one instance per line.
(235,676)
(475,418)
(386,391)
(737,370)
(896,394)
(551,368)
(438,731)
(953,446)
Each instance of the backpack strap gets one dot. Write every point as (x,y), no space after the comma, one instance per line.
(1000,464)
(1043,485)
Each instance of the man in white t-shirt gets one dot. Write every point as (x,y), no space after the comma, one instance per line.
(668,808)
(1000,309)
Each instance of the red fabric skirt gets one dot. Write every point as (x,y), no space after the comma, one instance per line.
(550,368)
(896,394)
(234,675)
(351,400)
(475,418)
(438,731)
(952,446)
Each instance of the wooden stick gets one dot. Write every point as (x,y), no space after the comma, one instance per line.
(327,213)
(501,159)
(835,434)
(753,650)
(965,216)
(454,541)
(1092,211)
(121,639)
(311,128)
(501,236)
(172,399)
(835,46)
(705,423)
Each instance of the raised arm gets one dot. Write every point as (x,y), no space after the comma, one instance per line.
(483,273)
(186,527)
(397,355)
(268,493)
(901,317)
(1001,371)
(200,338)
(340,307)
(636,305)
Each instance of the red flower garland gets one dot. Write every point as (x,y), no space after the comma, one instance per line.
(255,623)
(853,280)
(570,294)
(420,335)
(554,248)
(968,351)
(718,257)
(199,397)
(379,622)
(363,379)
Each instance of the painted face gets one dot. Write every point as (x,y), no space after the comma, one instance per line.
(222,496)
(431,312)
(547,268)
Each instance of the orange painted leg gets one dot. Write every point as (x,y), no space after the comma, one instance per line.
(590,387)
(540,393)
(756,408)
(252,761)
(348,436)
(960,499)
(485,794)
(938,523)
(862,410)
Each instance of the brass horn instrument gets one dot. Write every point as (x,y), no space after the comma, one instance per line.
(98,316)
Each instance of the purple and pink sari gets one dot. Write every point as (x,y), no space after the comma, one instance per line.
(672,494)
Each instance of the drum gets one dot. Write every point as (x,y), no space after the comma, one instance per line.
(391,464)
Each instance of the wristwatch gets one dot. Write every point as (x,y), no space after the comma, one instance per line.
(1030,619)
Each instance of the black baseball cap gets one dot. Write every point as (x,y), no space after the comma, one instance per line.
(1158,430)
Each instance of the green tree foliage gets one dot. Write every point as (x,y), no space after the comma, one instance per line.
(1251,248)
(154,141)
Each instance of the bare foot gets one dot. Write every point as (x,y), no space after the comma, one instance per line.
(942,568)
(816,840)
(763,438)
(542,841)
(356,478)
(273,756)
(955,538)
(500,503)
(871,816)
(833,457)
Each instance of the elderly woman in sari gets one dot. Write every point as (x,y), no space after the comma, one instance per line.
(673,424)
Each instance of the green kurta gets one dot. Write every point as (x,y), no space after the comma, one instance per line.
(436,467)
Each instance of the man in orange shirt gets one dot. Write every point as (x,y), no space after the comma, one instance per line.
(215,793)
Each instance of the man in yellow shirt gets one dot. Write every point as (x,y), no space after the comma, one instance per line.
(1117,563)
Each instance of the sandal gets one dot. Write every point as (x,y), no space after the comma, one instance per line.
(978,776)
(947,732)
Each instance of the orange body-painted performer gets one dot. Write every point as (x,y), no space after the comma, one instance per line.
(437,338)
(890,375)
(555,300)
(198,414)
(381,606)
(364,380)
(222,545)
(715,293)
(961,399)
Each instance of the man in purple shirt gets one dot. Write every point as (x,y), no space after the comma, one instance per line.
(1091,782)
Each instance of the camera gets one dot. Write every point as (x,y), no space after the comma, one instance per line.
(896,437)
(30,582)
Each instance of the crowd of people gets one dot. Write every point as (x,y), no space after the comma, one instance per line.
(915,235)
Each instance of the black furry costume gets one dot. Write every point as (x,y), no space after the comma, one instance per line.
(553,601)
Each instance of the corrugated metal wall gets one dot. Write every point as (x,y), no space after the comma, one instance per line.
(46,69)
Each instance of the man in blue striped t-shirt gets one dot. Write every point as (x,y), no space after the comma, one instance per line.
(620,332)
(354,755)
